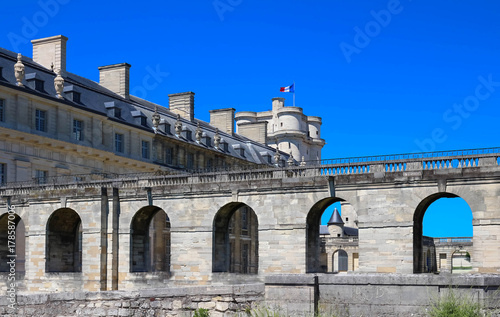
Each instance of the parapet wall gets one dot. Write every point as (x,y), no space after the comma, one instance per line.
(376,294)
(292,294)
(180,301)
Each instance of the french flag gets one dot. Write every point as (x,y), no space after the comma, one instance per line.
(288,89)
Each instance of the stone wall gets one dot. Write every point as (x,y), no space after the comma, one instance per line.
(292,294)
(183,301)
(376,294)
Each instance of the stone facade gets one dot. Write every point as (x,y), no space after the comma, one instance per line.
(287,204)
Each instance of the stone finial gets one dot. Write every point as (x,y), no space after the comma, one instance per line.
(156,119)
(178,126)
(19,70)
(277,157)
(290,160)
(198,133)
(303,162)
(59,84)
(217,138)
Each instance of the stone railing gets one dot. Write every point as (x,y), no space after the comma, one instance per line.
(359,165)
(453,241)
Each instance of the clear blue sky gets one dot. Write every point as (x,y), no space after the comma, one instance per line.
(386,76)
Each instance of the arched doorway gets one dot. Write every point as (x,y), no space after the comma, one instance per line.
(340,261)
(318,236)
(64,242)
(461,261)
(150,241)
(439,223)
(12,243)
(235,240)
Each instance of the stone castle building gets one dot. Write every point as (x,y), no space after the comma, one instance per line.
(57,126)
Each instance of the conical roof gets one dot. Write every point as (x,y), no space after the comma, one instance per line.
(335,219)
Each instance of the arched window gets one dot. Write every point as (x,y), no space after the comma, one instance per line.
(64,242)
(340,261)
(12,243)
(235,243)
(150,241)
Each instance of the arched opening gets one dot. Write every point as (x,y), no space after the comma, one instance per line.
(461,261)
(442,223)
(64,242)
(324,236)
(340,261)
(12,243)
(150,241)
(235,240)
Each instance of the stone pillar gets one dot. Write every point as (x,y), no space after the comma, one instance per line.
(114,237)
(104,236)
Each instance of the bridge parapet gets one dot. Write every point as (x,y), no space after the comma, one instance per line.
(344,166)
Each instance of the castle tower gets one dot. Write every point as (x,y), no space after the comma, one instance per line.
(336,225)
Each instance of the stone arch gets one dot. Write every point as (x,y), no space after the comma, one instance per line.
(150,240)
(419,265)
(12,226)
(313,241)
(64,241)
(235,241)
(340,261)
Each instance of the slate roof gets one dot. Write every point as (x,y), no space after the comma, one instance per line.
(94,96)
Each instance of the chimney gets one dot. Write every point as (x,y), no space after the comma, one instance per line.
(116,78)
(50,52)
(256,131)
(182,104)
(223,119)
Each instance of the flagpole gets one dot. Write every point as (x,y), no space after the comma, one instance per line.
(294,93)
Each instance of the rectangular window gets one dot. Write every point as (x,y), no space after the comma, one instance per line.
(144,121)
(145,149)
(39,85)
(190,161)
(118,113)
(40,120)
(119,142)
(3,174)
(2,110)
(76,97)
(169,155)
(244,219)
(41,176)
(78,130)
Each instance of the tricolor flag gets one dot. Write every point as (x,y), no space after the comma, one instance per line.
(288,89)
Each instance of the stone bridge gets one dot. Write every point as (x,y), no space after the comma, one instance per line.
(90,232)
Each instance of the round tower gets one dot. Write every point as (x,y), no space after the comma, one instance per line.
(336,225)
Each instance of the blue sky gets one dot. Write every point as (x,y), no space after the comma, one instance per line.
(386,76)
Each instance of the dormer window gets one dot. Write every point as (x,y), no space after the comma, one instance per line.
(76,97)
(140,118)
(113,109)
(267,157)
(35,82)
(225,146)
(206,140)
(72,93)
(240,149)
